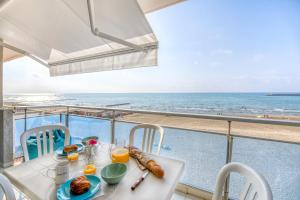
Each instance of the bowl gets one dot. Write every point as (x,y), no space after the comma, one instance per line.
(84,140)
(113,173)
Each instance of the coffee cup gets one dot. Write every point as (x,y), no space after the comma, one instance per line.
(61,172)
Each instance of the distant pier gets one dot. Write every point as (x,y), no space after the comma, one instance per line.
(283,94)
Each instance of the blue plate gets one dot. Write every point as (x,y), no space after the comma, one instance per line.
(60,151)
(63,192)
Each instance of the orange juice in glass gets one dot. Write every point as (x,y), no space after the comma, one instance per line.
(73,156)
(89,169)
(119,155)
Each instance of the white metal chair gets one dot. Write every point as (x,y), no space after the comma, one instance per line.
(7,189)
(43,130)
(256,187)
(148,136)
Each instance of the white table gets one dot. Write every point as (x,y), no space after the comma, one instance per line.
(31,178)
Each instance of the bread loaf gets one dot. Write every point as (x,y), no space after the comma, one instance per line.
(79,185)
(145,162)
(155,169)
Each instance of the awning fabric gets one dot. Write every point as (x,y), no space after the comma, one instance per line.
(59,33)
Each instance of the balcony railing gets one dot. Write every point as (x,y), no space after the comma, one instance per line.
(204,151)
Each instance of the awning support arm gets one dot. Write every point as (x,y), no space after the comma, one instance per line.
(96,32)
(24,53)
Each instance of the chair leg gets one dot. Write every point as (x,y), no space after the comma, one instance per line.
(1,194)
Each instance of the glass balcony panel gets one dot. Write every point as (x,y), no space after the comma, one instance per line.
(81,127)
(278,162)
(204,154)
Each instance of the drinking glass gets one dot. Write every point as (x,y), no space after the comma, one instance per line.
(118,152)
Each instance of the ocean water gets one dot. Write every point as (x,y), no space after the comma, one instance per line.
(212,103)
(204,154)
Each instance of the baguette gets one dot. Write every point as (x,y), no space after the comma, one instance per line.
(156,169)
(145,162)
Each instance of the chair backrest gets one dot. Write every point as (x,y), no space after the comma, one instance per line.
(43,130)
(7,188)
(256,187)
(148,136)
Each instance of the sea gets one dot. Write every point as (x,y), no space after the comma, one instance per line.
(205,103)
(204,154)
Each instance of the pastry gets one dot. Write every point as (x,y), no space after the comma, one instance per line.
(70,148)
(80,185)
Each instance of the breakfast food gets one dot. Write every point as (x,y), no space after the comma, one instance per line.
(90,169)
(73,156)
(70,148)
(145,162)
(80,185)
(120,155)
(155,169)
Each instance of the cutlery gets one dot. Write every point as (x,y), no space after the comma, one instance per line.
(139,181)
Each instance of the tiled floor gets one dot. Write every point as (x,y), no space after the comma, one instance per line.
(182,196)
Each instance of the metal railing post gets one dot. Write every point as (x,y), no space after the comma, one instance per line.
(113,127)
(228,159)
(25,119)
(67,117)
(60,118)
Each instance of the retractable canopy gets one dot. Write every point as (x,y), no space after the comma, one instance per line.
(80,36)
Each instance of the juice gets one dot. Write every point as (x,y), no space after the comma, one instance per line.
(120,155)
(73,156)
(90,169)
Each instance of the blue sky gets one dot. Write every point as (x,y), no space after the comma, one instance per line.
(205,46)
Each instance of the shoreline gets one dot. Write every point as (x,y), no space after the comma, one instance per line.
(239,129)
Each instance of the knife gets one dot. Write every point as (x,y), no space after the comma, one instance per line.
(139,181)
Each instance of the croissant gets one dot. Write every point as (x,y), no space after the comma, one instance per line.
(70,148)
(79,185)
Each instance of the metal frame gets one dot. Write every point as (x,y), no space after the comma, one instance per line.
(113,120)
(96,32)
(228,159)
(103,55)
(1,74)
(200,116)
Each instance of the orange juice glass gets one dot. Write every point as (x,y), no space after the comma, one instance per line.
(90,169)
(73,156)
(119,155)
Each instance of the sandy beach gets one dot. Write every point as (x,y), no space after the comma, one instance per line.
(273,132)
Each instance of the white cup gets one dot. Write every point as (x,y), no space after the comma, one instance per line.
(61,172)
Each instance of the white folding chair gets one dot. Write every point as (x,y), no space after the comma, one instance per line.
(148,136)
(256,187)
(43,130)
(6,188)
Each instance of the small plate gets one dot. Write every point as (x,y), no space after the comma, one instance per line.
(60,151)
(63,192)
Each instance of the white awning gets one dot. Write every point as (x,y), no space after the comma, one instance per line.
(58,33)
